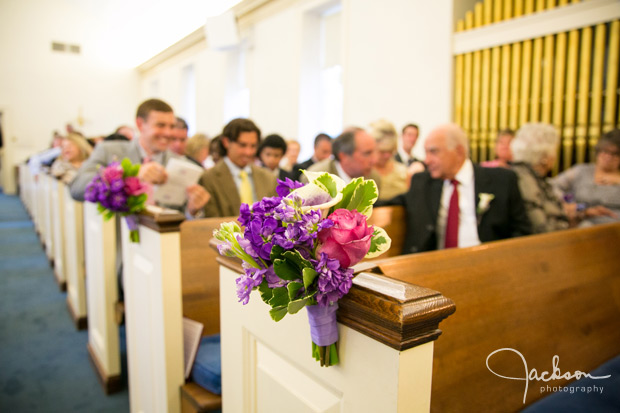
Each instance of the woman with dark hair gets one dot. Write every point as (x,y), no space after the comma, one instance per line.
(592,191)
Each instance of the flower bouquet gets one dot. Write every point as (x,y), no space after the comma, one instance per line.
(298,248)
(117,189)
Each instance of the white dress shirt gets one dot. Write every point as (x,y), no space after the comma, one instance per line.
(345,177)
(468,223)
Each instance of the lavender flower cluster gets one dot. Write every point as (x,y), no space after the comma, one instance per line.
(112,191)
(279,221)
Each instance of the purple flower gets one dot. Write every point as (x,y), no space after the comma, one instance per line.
(287,186)
(117,185)
(118,202)
(252,277)
(334,282)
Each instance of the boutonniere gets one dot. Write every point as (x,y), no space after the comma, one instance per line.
(484,202)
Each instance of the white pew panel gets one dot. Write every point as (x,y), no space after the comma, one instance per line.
(57,191)
(74,258)
(102,296)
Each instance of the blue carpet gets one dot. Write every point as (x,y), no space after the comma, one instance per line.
(44,364)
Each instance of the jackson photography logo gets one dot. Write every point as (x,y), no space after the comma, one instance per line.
(545,376)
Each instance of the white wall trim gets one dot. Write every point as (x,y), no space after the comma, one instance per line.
(558,20)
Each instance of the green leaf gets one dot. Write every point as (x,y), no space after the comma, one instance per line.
(364,197)
(295,306)
(278,313)
(295,258)
(286,270)
(347,193)
(379,243)
(293,288)
(327,182)
(280,297)
(266,293)
(309,274)
(276,252)
(135,170)
(108,215)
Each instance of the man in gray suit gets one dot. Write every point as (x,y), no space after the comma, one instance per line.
(354,157)
(155,121)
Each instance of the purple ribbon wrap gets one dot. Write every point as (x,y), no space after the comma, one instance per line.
(132,222)
(323,324)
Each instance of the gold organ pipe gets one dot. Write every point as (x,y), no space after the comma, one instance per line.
(488,12)
(494,99)
(540,5)
(547,80)
(583,98)
(467,79)
(598,69)
(474,136)
(536,80)
(458,81)
(514,86)
(528,7)
(612,76)
(507,9)
(571,91)
(497,11)
(485,136)
(518,8)
(504,106)
(526,74)
(558,85)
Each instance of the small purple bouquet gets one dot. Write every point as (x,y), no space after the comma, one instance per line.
(117,189)
(298,248)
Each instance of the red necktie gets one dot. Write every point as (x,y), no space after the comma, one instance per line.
(452,224)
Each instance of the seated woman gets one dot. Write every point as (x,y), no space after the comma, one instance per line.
(593,190)
(75,150)
(197,149)
(503,154)
(534,150)
(395,176)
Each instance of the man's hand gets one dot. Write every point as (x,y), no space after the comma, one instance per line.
(197,198)
(153,173)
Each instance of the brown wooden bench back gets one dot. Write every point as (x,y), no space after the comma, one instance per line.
(200,273)
(543,295)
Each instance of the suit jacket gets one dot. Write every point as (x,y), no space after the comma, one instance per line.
(225,200)
(105,153)
(299,166)
(505,218)
(411,160)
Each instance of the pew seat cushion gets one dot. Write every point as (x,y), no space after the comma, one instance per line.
(585,394)
(207,370)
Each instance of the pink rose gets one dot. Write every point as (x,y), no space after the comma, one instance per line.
(133,186)
(348,240)
(112,172)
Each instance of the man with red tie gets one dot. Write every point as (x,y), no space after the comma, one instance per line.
(456,203)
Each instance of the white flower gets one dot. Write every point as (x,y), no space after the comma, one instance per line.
(484,202)
(322,191)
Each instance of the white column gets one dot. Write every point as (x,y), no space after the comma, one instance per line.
(74,258)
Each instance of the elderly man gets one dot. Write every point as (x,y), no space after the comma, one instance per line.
(354,157)
(456,203)
(155,121)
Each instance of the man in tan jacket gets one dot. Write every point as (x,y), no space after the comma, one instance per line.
(235,179)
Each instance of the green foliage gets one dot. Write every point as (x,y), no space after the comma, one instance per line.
(328,184)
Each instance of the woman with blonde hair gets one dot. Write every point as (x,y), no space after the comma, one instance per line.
(197,149)
(394,177)
(75,150)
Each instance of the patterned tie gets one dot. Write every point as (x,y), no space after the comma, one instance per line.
(452,224)
(245,191)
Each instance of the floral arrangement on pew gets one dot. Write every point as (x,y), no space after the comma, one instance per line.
(298,248)
(117,189)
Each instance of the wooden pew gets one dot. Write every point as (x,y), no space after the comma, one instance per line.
(74,259)
(543,295)
(57,217)
(100,252)
(201,296)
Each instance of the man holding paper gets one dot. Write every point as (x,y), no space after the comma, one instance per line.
(155,121)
